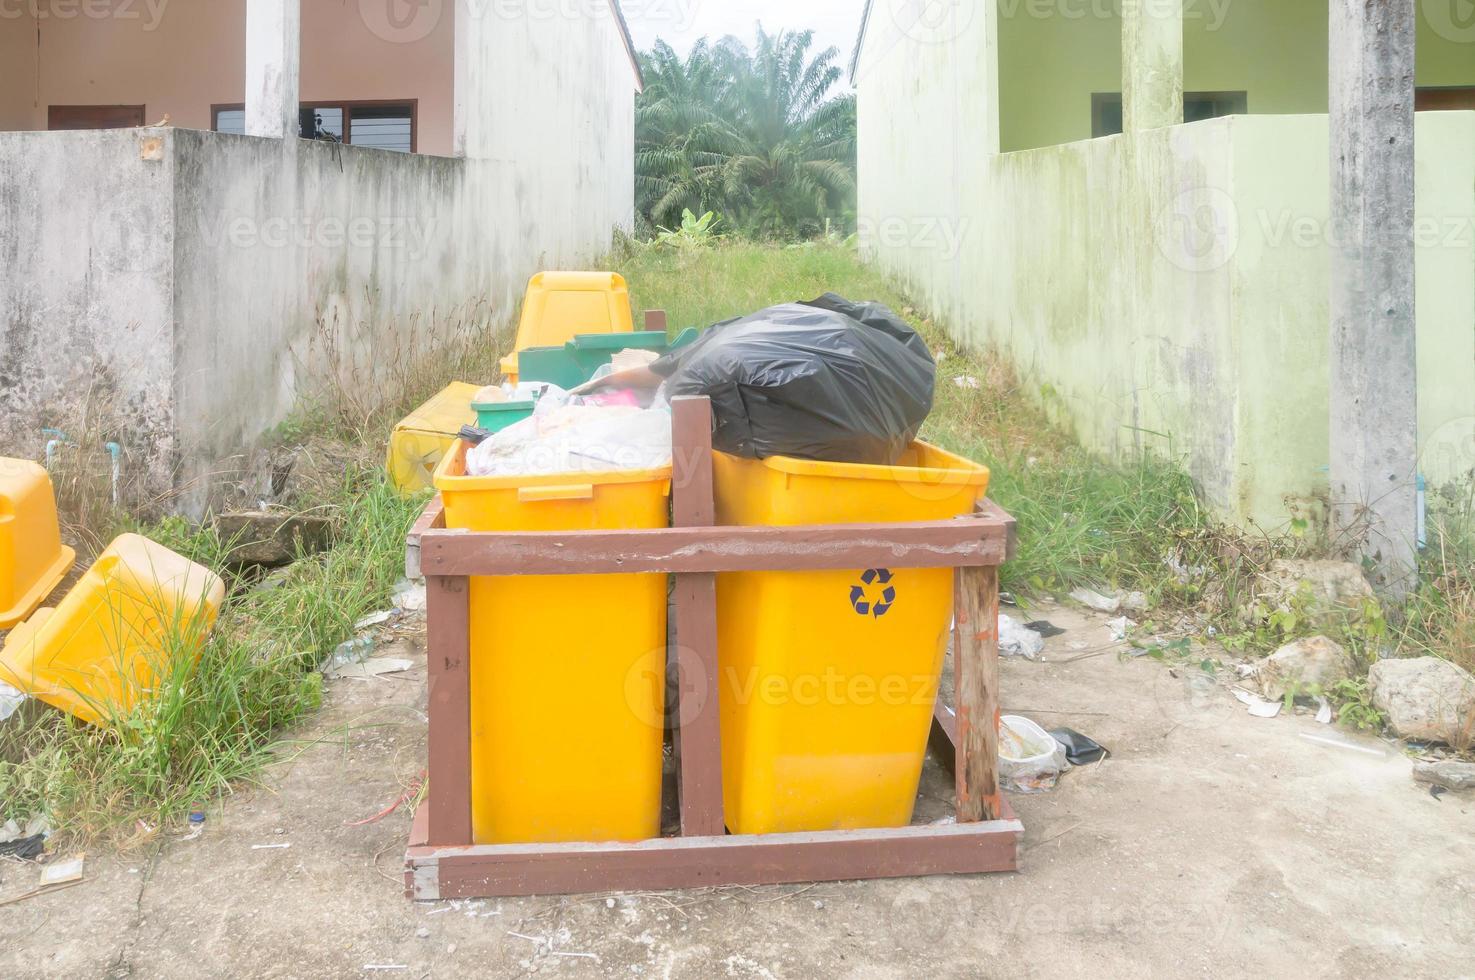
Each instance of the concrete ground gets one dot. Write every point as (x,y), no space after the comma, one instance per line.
(1209,843)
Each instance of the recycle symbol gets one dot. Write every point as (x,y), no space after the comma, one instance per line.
(860,594)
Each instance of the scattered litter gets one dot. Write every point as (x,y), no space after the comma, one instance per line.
(12,831)
(577,439)
(41,890)
(1437,791)
(1080,750)
(1092,599)
(406,796)
(1337,743)
(1323,710)
(1120,627)
(269,847)
(63,872)
(422,933)
(10,700)
(1030,761)
(1016,641)
(370,669)
(25,848)
(947,821)
(968,381)
(1258,706)
(1135,602)
(409,596)
(349,652)
(1045,629)
(1008,599)
(374,620)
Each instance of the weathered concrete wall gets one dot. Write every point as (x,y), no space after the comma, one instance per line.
(86,283)
(182,56)
(1167,290)
(1055,53)
(206,282)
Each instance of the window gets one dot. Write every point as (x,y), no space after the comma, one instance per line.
(94,116)
(1106,109)
(1436,99)
(381,125)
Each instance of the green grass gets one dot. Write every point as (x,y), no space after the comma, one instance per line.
(218,716)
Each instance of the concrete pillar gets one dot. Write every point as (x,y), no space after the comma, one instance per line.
(273,58)
(1152,64)
(1374,403)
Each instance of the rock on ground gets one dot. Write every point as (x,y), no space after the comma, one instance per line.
(1425,698)
(1328,592)
(1457,776)
(272,539)
(1313,662)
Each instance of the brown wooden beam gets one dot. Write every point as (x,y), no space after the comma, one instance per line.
(697,862)
(976,675)
(936,544)
(697,729)
(448,802)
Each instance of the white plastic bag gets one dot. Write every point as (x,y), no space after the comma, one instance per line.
(575,439)
(1030,760)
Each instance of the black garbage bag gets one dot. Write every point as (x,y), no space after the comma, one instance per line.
(827,380)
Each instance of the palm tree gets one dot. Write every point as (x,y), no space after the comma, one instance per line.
(758,137)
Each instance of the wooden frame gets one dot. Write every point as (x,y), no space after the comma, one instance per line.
(347,107)
(442,863)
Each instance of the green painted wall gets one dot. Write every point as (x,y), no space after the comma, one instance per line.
(1054,53)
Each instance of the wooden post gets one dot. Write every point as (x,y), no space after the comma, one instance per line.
(1374,393)
(1152,64)
(273,59)
(698,731)
(448,616)
(976,680)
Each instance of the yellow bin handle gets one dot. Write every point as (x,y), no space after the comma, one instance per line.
(533,495)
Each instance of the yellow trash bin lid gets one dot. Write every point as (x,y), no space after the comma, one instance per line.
(32,558)
(559,306)
(117,633)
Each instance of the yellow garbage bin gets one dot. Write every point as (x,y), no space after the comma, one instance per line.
(421,441)
(828,679)
(32,558)
(115,636)
(567,671)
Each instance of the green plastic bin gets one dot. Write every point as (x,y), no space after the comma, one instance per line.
(576,361)
(496,416)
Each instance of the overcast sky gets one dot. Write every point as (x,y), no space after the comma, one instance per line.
(681,22)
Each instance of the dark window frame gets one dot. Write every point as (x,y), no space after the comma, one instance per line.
(1100,101)
(138,112)
(346,107)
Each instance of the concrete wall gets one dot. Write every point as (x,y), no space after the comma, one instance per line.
(1053,54)
(1165,291)
(197,285)
(181,58)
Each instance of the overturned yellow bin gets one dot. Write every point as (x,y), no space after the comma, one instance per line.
(421,441)
(137,615)
(559,306)
(827,680)
(567,671)
(32,558)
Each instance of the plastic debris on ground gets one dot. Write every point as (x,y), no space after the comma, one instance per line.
(11,699)
(1258,706)
(1080,750)
(63,872)
(1120,627)
(1045,629)
(829,380)
(1323,710)
(1018,641)
(409,596)
(1092,599)
(370,669)
(1030,760)
(25,848)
